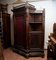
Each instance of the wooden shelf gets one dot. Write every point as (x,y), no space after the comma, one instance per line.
(35,22)
(36,26)
(35,32)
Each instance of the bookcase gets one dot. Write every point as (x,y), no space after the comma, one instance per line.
(36,29)
(28,30)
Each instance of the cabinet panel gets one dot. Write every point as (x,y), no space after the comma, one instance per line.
(36,17)
(6,30)
(35,39)
(19,31)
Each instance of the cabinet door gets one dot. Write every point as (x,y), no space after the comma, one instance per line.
(36,41)
(19,30)
(6,30)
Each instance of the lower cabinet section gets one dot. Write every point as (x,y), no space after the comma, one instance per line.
(36,39)
(29,53)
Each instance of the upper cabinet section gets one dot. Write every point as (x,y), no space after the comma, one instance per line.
(30,11)
(24,8)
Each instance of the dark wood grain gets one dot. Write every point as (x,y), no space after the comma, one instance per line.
(6,30)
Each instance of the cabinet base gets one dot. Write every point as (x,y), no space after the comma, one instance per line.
(28,53)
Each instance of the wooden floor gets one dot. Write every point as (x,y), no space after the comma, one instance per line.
(10,55)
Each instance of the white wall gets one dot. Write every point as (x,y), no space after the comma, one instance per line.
(50,17)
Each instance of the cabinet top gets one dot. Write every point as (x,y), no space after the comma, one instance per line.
(24,5)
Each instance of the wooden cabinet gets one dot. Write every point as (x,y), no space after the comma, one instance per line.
(51,51)
(5,30)
(28,30)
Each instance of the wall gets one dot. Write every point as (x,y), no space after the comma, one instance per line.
(50,17)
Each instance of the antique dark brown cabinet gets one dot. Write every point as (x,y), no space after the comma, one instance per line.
(5,26)
(28,30)
(5,30)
